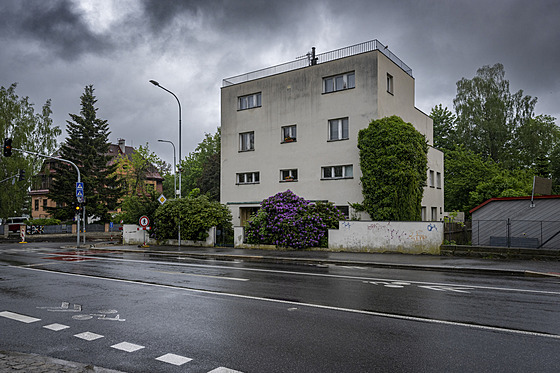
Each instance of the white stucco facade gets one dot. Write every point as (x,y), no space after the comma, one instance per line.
(254,146)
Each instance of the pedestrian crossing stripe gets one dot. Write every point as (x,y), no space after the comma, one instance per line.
(123,346)
(18,317)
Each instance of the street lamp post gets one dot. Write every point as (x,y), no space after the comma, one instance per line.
(174,168)
(179,103)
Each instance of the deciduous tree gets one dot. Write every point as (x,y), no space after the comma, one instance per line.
(30,131)
(198,168)
(488,114)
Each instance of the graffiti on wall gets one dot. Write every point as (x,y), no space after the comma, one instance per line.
(387,231)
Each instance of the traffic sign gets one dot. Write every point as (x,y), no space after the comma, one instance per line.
(80,185)
(162,199)
(144,221)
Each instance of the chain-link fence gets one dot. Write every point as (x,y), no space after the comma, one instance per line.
(516,233)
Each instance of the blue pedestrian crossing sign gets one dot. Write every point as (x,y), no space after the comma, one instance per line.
(80,191)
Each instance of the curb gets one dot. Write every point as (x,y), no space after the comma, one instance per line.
(313,261)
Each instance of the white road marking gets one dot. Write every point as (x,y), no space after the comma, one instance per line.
(128,347)
(310,274)
(224,370)
(56,327)
(88,336)
(447,288)
(18,317)
(174,359)
(198,275)
(311,305)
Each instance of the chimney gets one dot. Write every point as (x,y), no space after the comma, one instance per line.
(122,146)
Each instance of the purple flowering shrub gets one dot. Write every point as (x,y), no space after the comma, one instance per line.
(290,221)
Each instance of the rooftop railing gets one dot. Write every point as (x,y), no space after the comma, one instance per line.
(305,61)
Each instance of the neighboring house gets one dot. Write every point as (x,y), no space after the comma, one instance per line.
(39,200)
(295,126)
(515,222)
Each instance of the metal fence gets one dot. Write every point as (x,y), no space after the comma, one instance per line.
(65,228)
(367,46)
(516,233)
(458,233)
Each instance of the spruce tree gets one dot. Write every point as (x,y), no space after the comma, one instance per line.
(87,145)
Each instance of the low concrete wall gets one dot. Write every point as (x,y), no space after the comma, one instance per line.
(134,235)
(381,236)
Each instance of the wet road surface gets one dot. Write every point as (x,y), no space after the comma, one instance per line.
(270,318)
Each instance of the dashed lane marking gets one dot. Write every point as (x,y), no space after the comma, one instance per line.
(199,275)
(224,370)
(174,359)
(56,327)
(128,347)
(88,336)
(18,317)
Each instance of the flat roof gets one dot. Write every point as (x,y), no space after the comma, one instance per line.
(305,61)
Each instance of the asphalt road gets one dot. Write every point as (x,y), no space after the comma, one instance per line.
(141,312)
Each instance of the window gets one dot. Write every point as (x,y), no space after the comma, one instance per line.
(289,175)
(390,83)
(289,133)
(246,141)
(337,172)
(37,205)
(45,204)
(338,83)
(434,214)
(431,181)
(345,211)
(248,178)
(338,129)
(249,101)
(438,180)
(423,212)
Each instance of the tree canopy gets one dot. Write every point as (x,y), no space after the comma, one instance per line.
(87,145)
(201,168)
(489,115)
(393,160)
(494,144)
(29,131)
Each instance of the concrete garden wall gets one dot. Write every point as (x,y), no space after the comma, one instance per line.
(381,236)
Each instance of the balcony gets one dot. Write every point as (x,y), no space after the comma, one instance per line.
(321,58)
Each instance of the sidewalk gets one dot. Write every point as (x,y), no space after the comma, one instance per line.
(397,261)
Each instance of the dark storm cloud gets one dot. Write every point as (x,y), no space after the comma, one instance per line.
(56,25)
(54,48)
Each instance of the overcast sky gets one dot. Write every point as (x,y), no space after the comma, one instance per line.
(54,48)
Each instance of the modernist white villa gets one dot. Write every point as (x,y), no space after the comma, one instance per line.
(295,126)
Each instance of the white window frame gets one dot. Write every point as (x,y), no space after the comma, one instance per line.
(339,82)
(337,172)
(247,141)
(390,83)
(438,180)
(249,101)
(431,179)
(340,124)
(244,178)
(289,175)
(289,133)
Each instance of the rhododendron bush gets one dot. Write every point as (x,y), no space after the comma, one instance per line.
(290,221)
